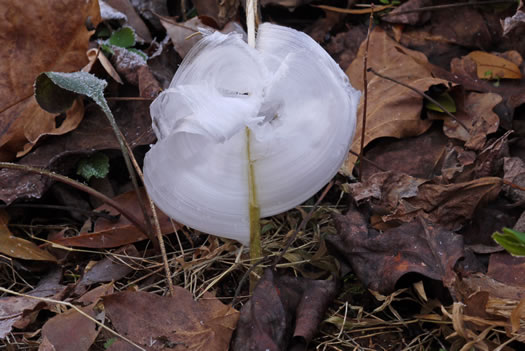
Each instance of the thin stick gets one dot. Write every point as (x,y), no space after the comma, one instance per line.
(70,305)
(363,158)
(365,87)
(429,98)
(156,227)
(512,185)
(449,6)
(79,186)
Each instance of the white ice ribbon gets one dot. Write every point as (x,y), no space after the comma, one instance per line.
(298,104)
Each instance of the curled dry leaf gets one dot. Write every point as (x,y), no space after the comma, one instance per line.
(110,268)
(449,205)
(393,110)
(283,313)
(476,111)
(176,322)
(60,45)
(222,11)
(500,300)
(70,330)
(104,233)
(380,259)
(411,18)
(15,247)
(20,311)
(516,22)
(183,35)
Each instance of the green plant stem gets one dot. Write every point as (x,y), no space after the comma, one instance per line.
(124,147)
(81,187)
(254,210)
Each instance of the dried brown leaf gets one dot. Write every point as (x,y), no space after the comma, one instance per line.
(415,156)
(449,205)
(411,18)
(381,259)
(13,246)
(283,313)
(20,311)
(60,45)
(71,331)
(393,110)
(490,66)
(222,11)
(177,322)
(514,172)
(108,234)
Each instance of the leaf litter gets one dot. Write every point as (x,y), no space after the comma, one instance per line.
(397,259)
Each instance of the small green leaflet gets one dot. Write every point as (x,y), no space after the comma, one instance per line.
(511,240)
(444,99)
(124,38)
(96,165)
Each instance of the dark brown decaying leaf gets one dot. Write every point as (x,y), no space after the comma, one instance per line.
(393,110)
(507,269)
(516,22)
(110,268)
(476,112)
(108,234)
(71,331)
(423,151)
(501,302)
(401,198)
(25,55)
(178,322)
(19,311)
(380,259)
(411,18)
(267,320)
(222,11)
(454,32)
(16,247)
(514,172)
(94,133)
(183,35)
(344,46)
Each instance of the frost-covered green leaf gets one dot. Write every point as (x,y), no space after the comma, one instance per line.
(511,240)
(58,85)
(124,38)
(96,165)
(51,98)
(139,52)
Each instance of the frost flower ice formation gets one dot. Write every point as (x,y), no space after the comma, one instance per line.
(301,113)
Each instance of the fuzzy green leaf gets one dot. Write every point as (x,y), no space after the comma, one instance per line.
(96,165)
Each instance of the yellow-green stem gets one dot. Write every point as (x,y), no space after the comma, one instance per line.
(255,227)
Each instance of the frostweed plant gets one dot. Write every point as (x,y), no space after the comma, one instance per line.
(275,120)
